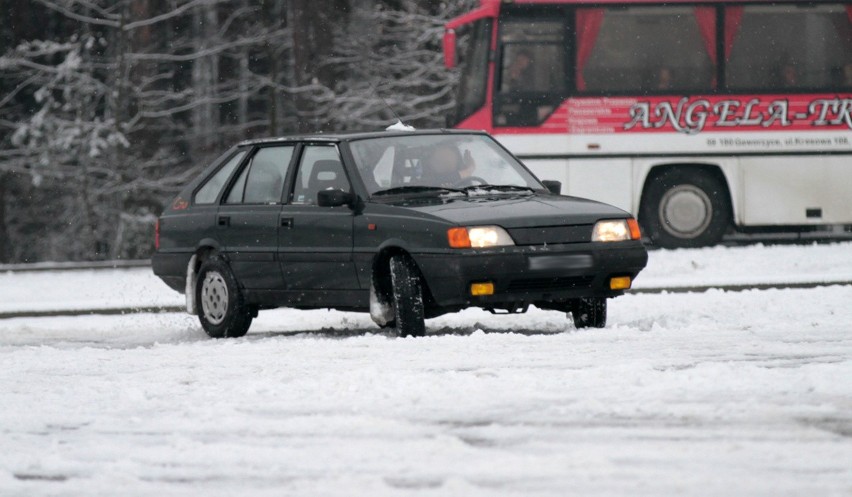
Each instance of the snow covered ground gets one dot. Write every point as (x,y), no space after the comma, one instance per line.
(714,393)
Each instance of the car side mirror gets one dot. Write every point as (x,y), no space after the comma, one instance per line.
(555,187)
(334,198)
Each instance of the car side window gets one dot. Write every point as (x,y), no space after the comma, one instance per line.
(320,169)
(210,191)
(262,180)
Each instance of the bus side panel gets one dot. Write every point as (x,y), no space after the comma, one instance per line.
(550,169)
(797,190)
(604,180)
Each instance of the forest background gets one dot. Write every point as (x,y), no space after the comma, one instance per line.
(108,107)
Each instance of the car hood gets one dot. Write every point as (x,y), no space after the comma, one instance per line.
(516,211)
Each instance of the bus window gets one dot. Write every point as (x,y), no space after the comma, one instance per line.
(532,76)
(645,49)
(533,57)
(473,40)
(533,67)
(790,47)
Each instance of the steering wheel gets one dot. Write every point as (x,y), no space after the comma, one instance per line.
(470,181)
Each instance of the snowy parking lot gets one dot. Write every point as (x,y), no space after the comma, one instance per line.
(709,393)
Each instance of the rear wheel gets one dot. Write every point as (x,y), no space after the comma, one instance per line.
(686,207)
(408,310)
(589,313)
(221,307)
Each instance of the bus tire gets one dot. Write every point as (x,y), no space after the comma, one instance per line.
(686,208)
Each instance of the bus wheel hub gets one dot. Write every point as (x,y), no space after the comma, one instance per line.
(686,211)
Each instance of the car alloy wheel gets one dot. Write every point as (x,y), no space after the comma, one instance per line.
(222,309)
(214,297)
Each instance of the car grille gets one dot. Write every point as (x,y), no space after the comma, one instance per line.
(550,284)
(552,234)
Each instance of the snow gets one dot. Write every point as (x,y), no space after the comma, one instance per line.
(400,126)
(713,393)
(773,264)
(84,289)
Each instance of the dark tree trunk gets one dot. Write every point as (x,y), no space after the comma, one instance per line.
(312,23)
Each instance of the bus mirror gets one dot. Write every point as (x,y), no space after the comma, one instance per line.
(450,48)
(555,187)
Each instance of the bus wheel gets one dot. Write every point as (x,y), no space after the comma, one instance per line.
(685,208)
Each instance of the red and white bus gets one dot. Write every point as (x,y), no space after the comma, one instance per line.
(700,117)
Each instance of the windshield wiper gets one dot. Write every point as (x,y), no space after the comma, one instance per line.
(399,190)
(499,188)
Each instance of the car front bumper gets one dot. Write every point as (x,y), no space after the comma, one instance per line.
(530,274)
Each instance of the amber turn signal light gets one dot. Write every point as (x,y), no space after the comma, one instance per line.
(458,238)
(480,289)
(620,283)
(635,232)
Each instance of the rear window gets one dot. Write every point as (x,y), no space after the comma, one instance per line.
(266,175)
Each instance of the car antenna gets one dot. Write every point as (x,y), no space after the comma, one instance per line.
(398,125)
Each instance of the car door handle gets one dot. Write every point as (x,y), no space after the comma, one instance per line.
(286,222)
(224,220)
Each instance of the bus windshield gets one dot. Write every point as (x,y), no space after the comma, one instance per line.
(442,162)
(474,40)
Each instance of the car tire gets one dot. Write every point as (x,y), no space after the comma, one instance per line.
(589,313)
(221,306)
(409,315)
(686,208)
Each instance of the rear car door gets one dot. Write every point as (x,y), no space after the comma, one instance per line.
(199,222)
(315,243)
(248,218)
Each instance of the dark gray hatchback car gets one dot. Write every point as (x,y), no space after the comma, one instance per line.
(403,225)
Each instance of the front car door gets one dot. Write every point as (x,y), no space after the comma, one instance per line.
(315,243)
(249,217)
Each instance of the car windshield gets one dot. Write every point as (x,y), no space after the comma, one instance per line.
(439,164)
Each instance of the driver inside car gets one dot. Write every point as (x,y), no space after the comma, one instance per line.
(446,167)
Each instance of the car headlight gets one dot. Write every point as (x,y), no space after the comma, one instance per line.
(479,237)
(616,230)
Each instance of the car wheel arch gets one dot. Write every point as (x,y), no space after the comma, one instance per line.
(201,254)
(381,277)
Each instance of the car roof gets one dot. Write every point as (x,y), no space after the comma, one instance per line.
(349,136)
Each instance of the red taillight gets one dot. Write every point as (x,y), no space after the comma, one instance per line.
(157,235)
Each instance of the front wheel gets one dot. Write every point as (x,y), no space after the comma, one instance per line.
(686,207)
(221,307)
(409,315)
(589,313)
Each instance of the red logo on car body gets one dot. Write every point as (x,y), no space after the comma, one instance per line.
(179,204)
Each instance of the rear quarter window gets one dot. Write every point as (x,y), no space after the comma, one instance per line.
(208,193)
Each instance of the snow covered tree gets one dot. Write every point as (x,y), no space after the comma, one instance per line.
(108,107)
(393,59)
